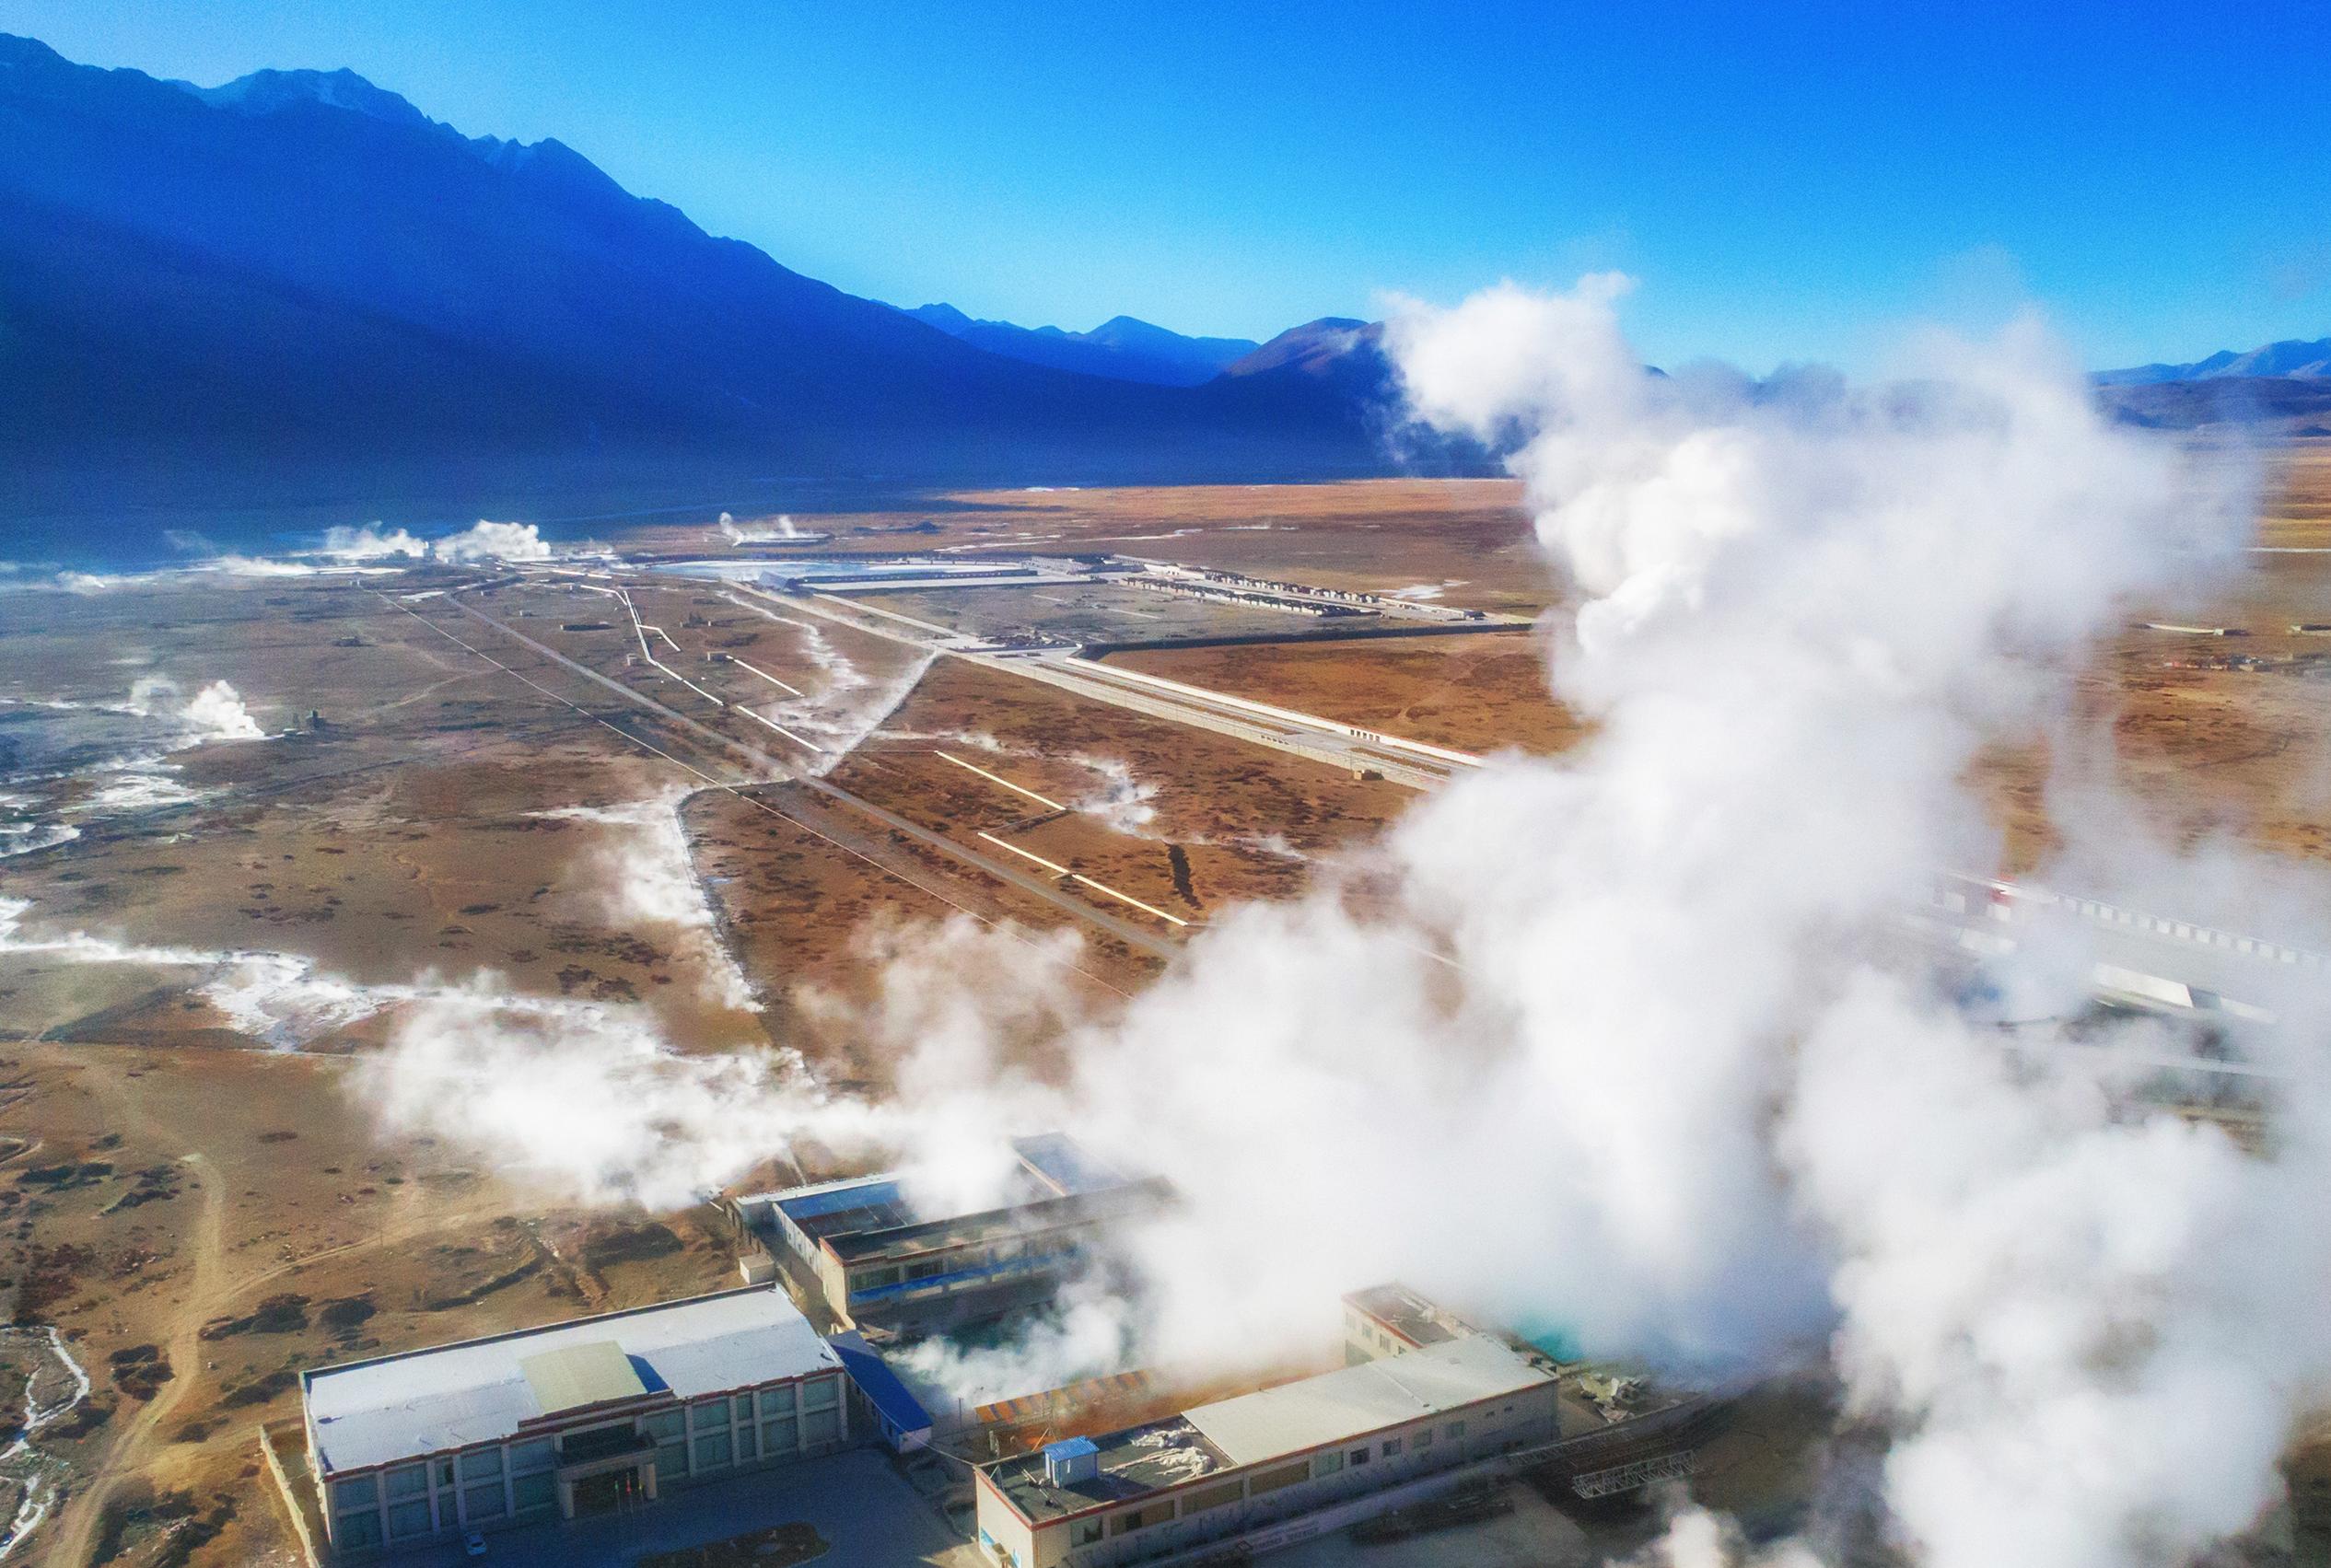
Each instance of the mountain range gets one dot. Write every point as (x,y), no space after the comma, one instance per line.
(2283,387)
(298,288)
(2291,357)
(297,284)
(1123,347)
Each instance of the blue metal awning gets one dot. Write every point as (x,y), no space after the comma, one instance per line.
(904,1421)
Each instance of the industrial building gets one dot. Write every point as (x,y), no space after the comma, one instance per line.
(580,1417)
(1389,1318)
(1238,1465)
(875,1260)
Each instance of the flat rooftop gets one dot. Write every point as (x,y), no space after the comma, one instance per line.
(1052,1167)
(840,1208)
(1354,1401)
(1405,1313)
(1040,1214)
(1254,1429)
(399,1406)
(1133,1463)
(1061,1163)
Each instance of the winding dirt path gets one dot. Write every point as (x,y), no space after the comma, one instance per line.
(214,1290)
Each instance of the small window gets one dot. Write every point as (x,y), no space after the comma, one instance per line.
(359,1491)
(480,1464)
(1265,1481)
(1359,1456)
(777,1402)
(1454,1431)
(823,1393)
(528,1457)
(1325,1464)
(1084,1532)
(711,1450)
(663,1426)
(444,1472)
(412,1481)
(1208,1497)
(780,1436)
(704,1414)
(1425,1438)
(748,1443)
(1392,1447)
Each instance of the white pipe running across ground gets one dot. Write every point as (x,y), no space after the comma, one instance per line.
(1080,877)
(996,778)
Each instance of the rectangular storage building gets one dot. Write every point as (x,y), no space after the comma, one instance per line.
(875,1258)
(577,1417)
(1237,1464)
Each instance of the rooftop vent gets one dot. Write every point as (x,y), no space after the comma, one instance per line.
(1069,1462)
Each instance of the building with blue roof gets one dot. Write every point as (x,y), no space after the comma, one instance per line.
(876,1260)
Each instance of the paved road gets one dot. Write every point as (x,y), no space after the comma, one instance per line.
(2150,960)
(778,772)
(1307,735)
(1339,744)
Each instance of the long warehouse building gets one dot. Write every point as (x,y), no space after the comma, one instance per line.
(1240,1464)
(878,1260)
(576,1418)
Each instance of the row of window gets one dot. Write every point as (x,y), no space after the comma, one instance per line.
(1036,1254)
(1085,1532)
(726,1430)
(528,1495)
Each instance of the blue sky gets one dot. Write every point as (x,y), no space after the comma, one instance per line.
(1789,180)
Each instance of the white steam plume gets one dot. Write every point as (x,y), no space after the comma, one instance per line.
(595,1104)
(736,533)
(368,543)
(214,713)
(646,872)
(217,712)
(1084,1336)
(1635,1048)
(484,540)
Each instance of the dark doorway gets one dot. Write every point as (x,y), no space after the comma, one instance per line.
(608,1491)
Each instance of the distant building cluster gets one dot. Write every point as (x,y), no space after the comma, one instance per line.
(1215,594)
(1208,582)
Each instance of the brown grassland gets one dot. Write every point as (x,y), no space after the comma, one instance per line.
(200,1216)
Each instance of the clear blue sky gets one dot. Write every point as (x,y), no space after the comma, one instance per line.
(1789,180)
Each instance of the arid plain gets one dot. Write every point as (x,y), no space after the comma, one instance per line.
(201,1196)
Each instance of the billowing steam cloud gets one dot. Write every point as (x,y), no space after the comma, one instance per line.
(484,541)
(1635,1049)
(370,544)
(736,533)
(214,713)
(645,875)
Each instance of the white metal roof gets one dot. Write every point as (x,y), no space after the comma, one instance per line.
(1375,1394)
(399,1406)
(595,1372)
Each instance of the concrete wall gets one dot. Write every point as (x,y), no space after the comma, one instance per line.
(1263,1493)
(494,1486)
